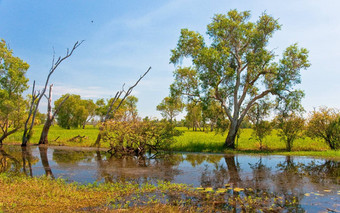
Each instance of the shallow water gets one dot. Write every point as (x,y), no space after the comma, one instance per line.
(315,182)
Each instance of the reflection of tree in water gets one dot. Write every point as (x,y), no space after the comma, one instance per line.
(136,169)
(198,159)
(27,160)
(15,158)
(289,183)
(221,175)
(261,174)
(44,161)
(324,173)
(64,157)
(8,162)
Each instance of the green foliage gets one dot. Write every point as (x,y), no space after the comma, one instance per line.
(12,84)
(256,115)
(290,128)
(192,141)
(75,111)
(236,69)
(136,137)
(170,107)
(194,115)
(127,110)
(325,124)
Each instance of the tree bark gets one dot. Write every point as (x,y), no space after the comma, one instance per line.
(44,133)
(230,140)
(50,117)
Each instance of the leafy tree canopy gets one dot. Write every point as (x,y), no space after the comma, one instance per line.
(74,112)
(12,84)
(236,68)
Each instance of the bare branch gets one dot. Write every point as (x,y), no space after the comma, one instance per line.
(59,106)
(37,96)
(130,90)
(251,103)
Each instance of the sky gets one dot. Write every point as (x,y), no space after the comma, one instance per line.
(123,38)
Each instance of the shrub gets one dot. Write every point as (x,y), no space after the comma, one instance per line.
(136,137)
(325,124)
(290,128)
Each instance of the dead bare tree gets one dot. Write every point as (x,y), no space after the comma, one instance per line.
(37,95)
(114,100)
(50,116)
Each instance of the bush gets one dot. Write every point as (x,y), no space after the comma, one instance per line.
(136,137)
(325,124)
(290,128)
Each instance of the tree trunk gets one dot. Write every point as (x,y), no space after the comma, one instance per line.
(230,140)
(99,137)
(44,133)
(25,138)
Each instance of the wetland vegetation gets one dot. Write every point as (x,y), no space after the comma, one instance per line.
(100,155)
(97,181)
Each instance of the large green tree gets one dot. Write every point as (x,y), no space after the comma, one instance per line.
(74,112)
(236,67)
(12,84)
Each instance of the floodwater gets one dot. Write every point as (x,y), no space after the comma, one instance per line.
(315,182)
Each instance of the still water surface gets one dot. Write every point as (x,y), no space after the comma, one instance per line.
(314,181)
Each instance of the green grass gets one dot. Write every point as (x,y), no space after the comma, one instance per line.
(62,135)
(196,141)
(191,141)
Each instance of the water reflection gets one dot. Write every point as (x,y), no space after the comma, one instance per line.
(27,160)
(273,176)
(139,169)
(44,161)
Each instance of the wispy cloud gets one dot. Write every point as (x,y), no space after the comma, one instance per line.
(89,92)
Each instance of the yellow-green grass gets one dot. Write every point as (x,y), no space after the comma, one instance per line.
(60,137)
(197,141)
(189,141)
(42,194)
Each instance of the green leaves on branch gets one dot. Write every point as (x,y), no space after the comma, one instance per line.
(237,69)
(74,112)
(136,137)
(12,84)
(325,124)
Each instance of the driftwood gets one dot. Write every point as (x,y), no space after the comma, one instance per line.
(55,140)
(76,138)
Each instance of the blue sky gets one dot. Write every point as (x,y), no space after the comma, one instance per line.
(126,37)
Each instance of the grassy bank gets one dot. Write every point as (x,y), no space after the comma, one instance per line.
(191,141)
(26,194)
(61,137)
(197,141)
